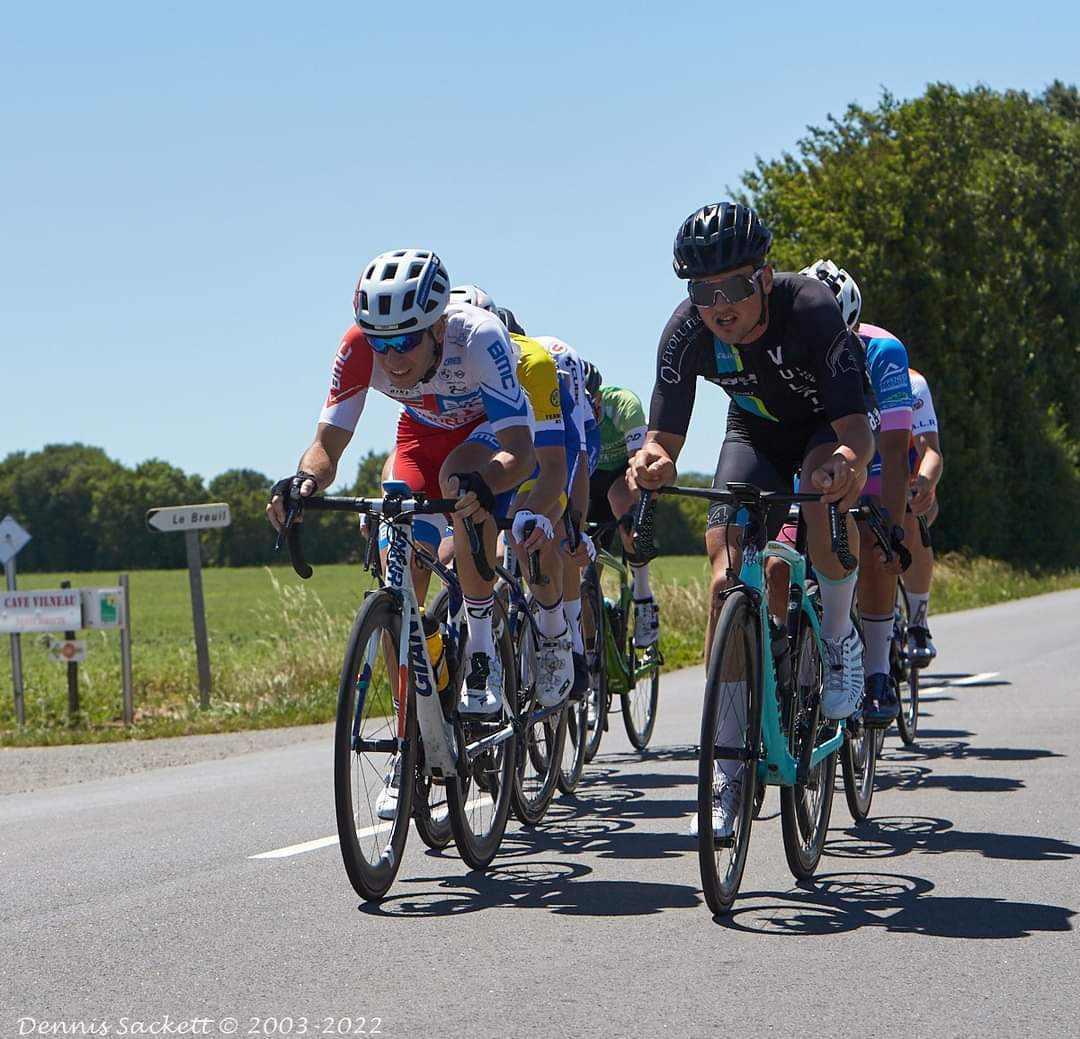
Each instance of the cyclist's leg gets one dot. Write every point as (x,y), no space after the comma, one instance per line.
(579,501)
(622,502)
(917,582)
(844,666)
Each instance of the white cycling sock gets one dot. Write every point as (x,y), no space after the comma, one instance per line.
(478,619)
(877,635)
(918,604)
(731,725)
(836,599)
(572,609)
(640,574)
(551,620)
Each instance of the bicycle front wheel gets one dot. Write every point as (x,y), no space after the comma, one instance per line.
(479,796)
(573,755)
(858,761)
(732,707)
(904,671)
(374,751)
(805,808)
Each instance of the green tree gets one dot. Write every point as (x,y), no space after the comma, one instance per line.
(957,213)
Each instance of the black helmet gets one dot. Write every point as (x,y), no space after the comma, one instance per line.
(593,379)
(718,237)
(506,316)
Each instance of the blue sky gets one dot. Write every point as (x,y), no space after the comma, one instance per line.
(189,190)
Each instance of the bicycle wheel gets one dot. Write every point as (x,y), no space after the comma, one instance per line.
(431,812)
(904,671)
(592,619)
(805,808)
(858,761)
(640,700)
(732,691)
(540,753)
(478,798)
(365,740)
(572,763)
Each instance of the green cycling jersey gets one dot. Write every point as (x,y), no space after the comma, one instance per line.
(622,426)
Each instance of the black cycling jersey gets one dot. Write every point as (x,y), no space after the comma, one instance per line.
(807,368)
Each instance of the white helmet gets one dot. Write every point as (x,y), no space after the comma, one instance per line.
(472,294)
(843,286)
(402,291)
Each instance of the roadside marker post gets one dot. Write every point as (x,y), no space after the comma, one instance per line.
(191,519)
(12,539)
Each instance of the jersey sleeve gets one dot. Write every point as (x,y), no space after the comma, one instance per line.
(677,368)
(887,364)
(350,378)
(924,418)
(837,351)
(493,368)
(540,380)
(629,418)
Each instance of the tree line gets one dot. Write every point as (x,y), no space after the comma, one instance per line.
(958,213)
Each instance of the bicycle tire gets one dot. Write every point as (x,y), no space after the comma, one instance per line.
(805,808)
(597,699)
(477,833)
(371,866)
(572,762)
(722,864)
(904,672)
(858,763)
(639,704)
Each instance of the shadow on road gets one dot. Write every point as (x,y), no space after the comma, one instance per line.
(837,902)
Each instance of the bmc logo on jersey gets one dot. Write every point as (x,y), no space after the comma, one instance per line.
(497,352)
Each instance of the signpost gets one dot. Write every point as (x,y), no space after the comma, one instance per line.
(12,539)
(191,519)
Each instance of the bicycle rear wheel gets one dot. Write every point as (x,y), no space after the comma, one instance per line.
(858,761)
(593,620)
(805,808)
(640,700)
(904,671)
(370,743)
(573,755)
(732,689)
(479,796)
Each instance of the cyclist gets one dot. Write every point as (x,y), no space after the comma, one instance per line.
(926,465)
(465,427)
(777,344)
(620,419)
(886,487)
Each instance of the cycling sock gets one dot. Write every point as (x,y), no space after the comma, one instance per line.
(551,620)
(918,604)
(877,634)
(572,609)
(731,725)
(640,574)
(478,618)
(836,599)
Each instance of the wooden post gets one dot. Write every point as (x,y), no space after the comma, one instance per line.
(198,615)
(72,675)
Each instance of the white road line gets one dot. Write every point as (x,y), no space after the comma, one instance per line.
(931,690)
(976,679)
(325,842)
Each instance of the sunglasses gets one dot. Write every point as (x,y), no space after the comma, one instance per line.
(399,344)
(735,289)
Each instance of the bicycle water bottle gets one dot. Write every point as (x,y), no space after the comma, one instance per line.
(437,652)
(781,651)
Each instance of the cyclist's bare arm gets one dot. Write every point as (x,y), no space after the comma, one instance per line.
(843,474)
(321,461)
(654,465)
(893,448)
(931,463)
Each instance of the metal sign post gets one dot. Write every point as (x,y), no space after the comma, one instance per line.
(12,539)
(72,675)
(125,653)
(191,519)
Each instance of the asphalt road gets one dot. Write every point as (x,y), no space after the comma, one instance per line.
(135,902)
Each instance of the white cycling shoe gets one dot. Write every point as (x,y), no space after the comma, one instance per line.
(646,623)
(554,670)
(386,804)
(843,676)
(727,800)
(481,695)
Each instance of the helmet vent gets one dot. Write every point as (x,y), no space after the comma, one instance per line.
(384,305)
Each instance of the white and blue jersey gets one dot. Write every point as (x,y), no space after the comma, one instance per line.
(887,369)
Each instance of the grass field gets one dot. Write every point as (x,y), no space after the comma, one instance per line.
(276,645)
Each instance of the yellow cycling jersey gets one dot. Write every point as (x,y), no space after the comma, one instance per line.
(540,379)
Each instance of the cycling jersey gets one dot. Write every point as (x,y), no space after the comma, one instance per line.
(887,368)
(476,378)
(572,373)
(923,417)
(539,378)
(806,368)
(622,427)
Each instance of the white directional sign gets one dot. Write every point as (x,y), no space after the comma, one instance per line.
(50,609)
(178,518)
(12,539)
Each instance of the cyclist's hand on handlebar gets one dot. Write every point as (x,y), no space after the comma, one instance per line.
(585,552)
(922,495)
(651,468)
(475,498)
(279,493)
(542,530)
(838,481)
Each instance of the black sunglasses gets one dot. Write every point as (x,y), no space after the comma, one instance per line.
(736,289)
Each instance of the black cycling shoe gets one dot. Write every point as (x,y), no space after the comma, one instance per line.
(880,705)
(920,647)
(581,678)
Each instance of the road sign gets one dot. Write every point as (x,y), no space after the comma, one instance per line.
(67,651)
(50,609)
(12,539)
(179,518)
(102,607)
